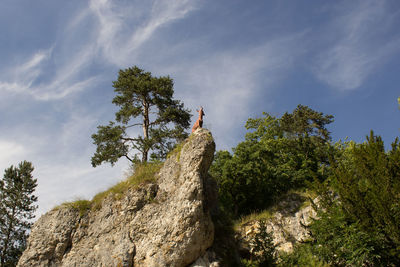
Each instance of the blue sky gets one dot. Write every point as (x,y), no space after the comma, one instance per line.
(235,58)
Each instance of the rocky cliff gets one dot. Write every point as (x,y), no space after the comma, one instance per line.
(165,223)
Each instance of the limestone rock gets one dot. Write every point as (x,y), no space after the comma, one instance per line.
(209,259)
(286,224)
(162,224)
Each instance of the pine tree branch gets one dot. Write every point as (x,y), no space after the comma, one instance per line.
(131,160)
(135,124)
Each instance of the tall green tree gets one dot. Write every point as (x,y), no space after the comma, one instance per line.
(147,102)
(298,143)
(359,216)
(278,154)
(16,211)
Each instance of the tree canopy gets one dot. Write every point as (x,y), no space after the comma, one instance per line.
(16,211)
(359,216)
(358,185)
(147,102)
(278,154)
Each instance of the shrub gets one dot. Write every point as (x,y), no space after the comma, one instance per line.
(302,256)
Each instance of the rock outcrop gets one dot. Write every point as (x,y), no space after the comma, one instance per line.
(166,223)
(287,224)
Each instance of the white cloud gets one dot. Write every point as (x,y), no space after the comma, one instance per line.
(73,179)
(11,153)
(358,48)
(58,90)
(61,151)
(31,65)
(61,156)
(114,38)
(118,40)
(24,75)
(24,78)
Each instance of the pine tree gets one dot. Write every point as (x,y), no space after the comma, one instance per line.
(16,211)
(144,101)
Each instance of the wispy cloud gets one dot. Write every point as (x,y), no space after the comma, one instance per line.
(118,39)
(102,32)
(115,39)
(357,48)
(23,76)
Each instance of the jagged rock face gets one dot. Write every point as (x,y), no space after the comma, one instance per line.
(163,224)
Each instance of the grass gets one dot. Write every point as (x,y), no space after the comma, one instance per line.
(81,205)
(143,173)
(255,216)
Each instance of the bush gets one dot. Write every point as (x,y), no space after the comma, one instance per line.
(302,256)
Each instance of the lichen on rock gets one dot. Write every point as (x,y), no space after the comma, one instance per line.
(165,223)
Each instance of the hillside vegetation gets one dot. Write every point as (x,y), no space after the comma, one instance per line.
(357,185)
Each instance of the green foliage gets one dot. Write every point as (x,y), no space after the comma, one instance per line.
(345,243)
(359,219)
(150,101)
(249,263)
(302,256)
(278,154)
(298,144)
(16,211)
(110,144)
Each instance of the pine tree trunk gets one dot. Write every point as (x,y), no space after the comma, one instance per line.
(145,153)
(7,241)
(146,123)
